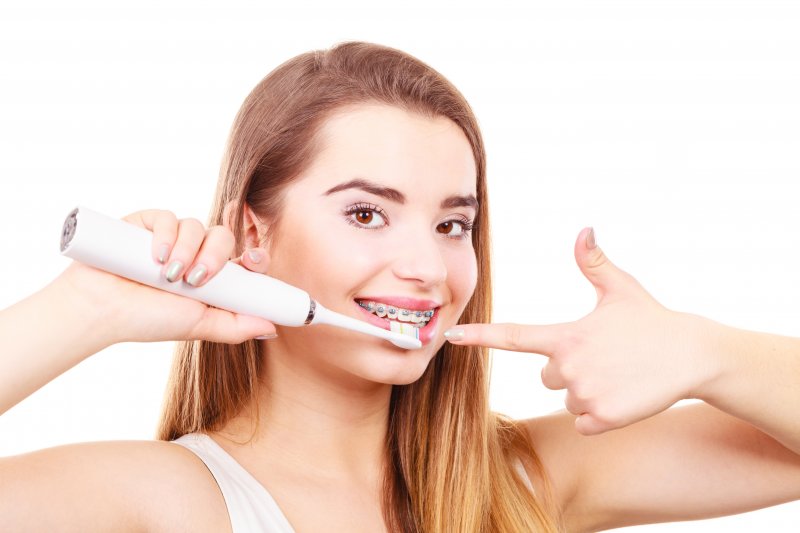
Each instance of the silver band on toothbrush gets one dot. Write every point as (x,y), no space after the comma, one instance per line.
(312,307)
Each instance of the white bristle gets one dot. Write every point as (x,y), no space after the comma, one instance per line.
(404,328)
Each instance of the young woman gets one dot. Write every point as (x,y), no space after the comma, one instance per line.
(358,174)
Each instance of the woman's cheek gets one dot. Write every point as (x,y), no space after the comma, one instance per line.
(369,246)
(463,274)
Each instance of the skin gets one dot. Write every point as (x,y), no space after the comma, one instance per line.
(324,409)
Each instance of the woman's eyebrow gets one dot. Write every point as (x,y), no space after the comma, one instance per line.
(396,196)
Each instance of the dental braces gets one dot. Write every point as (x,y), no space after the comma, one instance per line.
(417,319)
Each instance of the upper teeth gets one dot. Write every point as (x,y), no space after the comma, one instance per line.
(398,313)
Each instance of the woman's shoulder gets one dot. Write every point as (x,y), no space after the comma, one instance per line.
(552,437)
(151,485)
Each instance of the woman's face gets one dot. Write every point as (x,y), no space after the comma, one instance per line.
(382,215)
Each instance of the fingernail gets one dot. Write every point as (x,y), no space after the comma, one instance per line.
(163,253)
(198,273)
(267,336)
(173,271)
(454,334)
(255,256)
(590,242)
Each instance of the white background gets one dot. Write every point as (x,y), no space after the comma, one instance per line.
(673,128)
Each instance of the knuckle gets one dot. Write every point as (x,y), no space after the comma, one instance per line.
(568,371)
(216,248)
(597,259)
(549,378)
(193,223)
(166,223)
(573,405)
(189,238)
(136,218)
(581,393)
(513,334)
(167,215)
(607,416)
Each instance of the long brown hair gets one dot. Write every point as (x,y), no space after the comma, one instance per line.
(450,461)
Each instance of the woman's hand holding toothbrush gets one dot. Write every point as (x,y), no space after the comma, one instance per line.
(187,251)
(84,310)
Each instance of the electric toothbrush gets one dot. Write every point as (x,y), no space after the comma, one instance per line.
(124,249)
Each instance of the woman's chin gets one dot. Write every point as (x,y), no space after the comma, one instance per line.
(388,364)
(392,376)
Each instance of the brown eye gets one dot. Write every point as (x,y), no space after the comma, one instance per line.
(455,229)
(365,217)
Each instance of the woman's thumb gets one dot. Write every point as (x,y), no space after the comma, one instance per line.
(219,325)
(598,269)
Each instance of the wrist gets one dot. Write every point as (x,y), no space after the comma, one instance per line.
(716,358)
(90,312)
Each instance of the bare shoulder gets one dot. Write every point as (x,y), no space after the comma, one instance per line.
(552,438)
(119,485)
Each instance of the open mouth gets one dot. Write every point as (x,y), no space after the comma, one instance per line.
(382,315)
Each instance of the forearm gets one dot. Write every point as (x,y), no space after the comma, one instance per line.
(757,379)
(43,336)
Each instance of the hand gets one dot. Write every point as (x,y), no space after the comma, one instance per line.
(627,360)
(132,311)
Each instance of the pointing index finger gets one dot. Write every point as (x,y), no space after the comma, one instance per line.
(512,337)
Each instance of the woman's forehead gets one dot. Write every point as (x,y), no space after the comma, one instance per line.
(394,147)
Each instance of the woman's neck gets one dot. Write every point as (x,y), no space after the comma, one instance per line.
(317,420)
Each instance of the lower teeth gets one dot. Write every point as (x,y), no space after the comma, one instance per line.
(417,325)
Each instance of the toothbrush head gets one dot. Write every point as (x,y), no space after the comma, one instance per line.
(407,331)
(405,340)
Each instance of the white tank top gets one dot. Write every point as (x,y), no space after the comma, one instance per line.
(250,506)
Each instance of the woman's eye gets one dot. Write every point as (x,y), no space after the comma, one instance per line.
(455,229)
(367,217)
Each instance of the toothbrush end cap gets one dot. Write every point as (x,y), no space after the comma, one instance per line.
(407,343)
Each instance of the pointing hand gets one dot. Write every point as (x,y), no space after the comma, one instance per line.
(627,360)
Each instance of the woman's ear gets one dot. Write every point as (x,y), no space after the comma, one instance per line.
(255,232)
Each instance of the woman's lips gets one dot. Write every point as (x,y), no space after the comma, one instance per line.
(426,333)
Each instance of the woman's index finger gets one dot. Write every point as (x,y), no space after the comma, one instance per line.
(511,337)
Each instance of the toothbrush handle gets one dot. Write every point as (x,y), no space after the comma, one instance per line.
(121,248)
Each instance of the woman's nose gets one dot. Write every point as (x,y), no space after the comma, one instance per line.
(421,260)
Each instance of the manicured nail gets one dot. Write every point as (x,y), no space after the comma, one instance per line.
(255,256)
(198,273)
(454,334)
(590,242)
(173,271)
(267,337)
(163,253)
